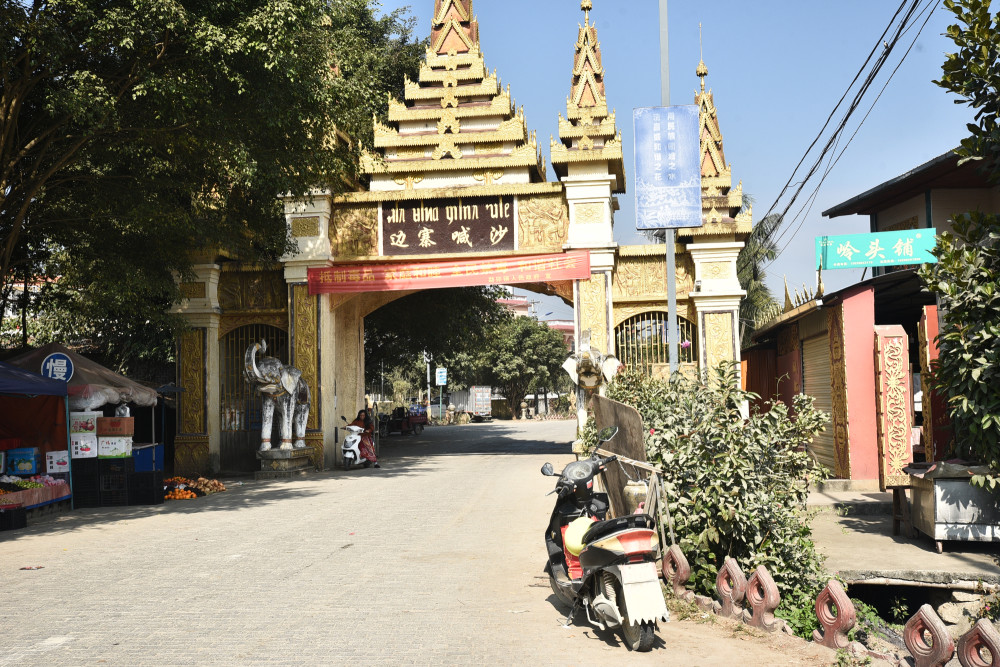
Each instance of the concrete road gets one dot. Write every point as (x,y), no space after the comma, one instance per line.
(436,559)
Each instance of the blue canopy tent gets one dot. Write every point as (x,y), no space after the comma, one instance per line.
(33,409)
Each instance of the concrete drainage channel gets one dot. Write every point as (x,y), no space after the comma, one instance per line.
(897,574)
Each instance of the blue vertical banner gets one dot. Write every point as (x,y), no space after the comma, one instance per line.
(667,167)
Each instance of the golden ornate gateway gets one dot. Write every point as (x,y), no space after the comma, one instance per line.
(455,175)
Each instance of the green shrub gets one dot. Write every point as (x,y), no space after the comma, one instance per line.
(734,486)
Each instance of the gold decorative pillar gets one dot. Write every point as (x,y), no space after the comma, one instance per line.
(838,374)
(197,444)
(191,445)
(305,357)
(892,386)
(594,312)
(716,298)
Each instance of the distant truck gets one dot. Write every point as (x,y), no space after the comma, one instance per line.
(481,407)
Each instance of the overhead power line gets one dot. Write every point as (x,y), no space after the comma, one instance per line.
(903,20)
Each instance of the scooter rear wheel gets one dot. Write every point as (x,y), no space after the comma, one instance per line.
(637,637)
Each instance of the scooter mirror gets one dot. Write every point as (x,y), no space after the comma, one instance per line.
(344,418)
(607,433)
(547,470)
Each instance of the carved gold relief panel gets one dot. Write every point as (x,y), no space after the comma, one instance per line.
(193,290)
(717,270)
(354,231)
(643,278)
(838,372)
(248,291)
(893,405)
(543,223)
(589,213)
(717,338)
(192,379)
(306,345)
(191,455)
(304,227)
(594,310)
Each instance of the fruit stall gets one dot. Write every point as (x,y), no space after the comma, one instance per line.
(33,434)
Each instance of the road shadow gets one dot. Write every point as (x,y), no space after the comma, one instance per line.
(610,637)
(400,455)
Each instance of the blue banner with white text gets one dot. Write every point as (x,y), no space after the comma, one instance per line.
(667,167)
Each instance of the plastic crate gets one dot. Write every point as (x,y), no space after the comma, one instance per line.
(114,482)
(87,497)
(122,466)
(114,498)
(147,457)
(145,488)
(13,517)
(85,467)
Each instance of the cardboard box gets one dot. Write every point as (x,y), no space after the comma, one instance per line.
(84,422)
(114,447)
(115,426)
(83,445)
(56,462)
(23,461)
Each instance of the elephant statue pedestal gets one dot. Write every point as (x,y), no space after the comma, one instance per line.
(283,463)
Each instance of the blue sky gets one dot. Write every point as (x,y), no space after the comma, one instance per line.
(777,69)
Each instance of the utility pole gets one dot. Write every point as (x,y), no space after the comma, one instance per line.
(668,234)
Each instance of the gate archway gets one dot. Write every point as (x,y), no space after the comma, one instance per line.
(240,404)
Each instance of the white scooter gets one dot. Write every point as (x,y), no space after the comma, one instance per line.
(351,449)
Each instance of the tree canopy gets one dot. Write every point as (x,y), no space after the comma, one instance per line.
(966,277)
(134,133)
(524,354)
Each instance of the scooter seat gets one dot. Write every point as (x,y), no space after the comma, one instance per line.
(602,529)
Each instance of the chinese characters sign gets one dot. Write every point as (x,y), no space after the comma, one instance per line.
(448,226)
(850,251)
(667,167)
(353,278)
(58,366)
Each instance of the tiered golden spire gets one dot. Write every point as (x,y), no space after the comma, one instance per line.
(722,204)
(588,133)
(457,117)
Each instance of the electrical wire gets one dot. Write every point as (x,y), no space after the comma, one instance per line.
(803,213)
(898,27)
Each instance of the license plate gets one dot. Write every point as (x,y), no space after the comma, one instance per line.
(638,573)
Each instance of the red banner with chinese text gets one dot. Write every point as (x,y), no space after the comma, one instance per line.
(354,278)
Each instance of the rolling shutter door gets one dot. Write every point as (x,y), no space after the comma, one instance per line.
(817,383)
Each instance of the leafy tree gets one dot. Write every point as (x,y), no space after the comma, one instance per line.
(967,275)
(759,249)
(133,134)
(733,486)
(451,325)
(524,354)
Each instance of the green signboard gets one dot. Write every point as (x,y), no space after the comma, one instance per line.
(854,251)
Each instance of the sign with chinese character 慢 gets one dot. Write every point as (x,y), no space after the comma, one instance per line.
(448,226)
(507,270)
(442,376)
(58,366)
(667,167)
(854,251)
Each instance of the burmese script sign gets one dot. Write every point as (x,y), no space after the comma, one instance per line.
(353,278)
(448,226)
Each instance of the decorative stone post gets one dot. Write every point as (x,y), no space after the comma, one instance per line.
(197,444)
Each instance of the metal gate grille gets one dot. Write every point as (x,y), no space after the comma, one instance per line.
(240,402)
(641,341)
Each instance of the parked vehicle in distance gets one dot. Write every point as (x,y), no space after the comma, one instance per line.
(403,420)
(482,403)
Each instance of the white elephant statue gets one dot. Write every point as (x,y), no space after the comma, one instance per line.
(281,384)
